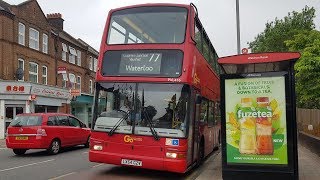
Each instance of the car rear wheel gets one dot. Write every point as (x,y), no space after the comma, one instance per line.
(19,151)
(87,144)
(54,147)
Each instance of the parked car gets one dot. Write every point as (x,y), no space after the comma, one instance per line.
(50,131)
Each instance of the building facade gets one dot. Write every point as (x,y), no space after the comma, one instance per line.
(42,67)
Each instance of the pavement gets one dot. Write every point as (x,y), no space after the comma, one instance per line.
(308,161)
(3,143)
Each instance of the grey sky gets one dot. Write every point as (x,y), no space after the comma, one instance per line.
(85,19)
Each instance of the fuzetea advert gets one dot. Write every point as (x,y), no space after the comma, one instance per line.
(256,120)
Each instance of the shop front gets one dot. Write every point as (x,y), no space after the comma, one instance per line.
(23,97)
(81,107)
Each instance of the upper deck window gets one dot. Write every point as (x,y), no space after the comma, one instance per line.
(148,25)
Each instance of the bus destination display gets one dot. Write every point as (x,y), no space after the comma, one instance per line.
(140,63)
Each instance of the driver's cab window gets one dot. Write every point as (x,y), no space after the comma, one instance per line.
(204,111)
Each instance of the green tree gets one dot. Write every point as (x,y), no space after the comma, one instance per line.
(296,32)
(278,31)
(307,68)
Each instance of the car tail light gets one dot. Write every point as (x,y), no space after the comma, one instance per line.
(41,132)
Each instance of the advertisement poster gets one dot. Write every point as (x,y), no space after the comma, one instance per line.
(256,120)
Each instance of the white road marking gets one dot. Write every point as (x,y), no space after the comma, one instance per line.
(85,152)
(97,165)
(3,148)
(62,176)
(8,169)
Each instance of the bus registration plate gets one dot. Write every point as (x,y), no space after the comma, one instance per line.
(131,162)
(22,138)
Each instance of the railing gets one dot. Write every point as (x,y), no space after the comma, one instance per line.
(308,121)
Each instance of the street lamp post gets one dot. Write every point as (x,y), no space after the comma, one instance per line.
(238,26)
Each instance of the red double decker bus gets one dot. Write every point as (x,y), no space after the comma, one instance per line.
(157,90)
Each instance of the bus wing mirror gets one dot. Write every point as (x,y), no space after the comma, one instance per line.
(198,99)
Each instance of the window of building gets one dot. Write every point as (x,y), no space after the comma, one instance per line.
(78,86)
(33,39)
(72,55)
(78,57)
(95,64)
(22,31)
(90,86)
(64,52)
(45,109)
(45,43)
(44,75)
(33,72)
(90,62)
(72,81)
(64,80)
(21,65)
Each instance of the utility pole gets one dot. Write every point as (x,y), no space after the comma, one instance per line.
(238,26)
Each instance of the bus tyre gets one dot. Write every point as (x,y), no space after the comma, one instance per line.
(87,144)
(54,147)
(19,151)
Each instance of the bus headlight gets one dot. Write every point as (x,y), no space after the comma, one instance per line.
(97,147)
(171,155)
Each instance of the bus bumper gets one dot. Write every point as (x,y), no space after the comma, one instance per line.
(155,163)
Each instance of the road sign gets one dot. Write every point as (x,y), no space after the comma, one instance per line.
(62,70)
(75,92)
(244,50)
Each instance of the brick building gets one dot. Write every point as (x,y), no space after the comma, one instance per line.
(40,64)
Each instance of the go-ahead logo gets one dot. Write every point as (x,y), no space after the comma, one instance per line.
(129,139)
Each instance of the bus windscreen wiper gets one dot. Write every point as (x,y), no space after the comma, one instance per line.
(153,131)
(125,117)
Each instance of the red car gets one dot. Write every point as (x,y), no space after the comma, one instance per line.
(49,131)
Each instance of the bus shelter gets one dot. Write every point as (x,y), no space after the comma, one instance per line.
(258,108)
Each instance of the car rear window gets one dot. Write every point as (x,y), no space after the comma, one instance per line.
(26,121)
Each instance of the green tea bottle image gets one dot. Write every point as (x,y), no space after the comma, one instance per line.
(247,144)
(264,127)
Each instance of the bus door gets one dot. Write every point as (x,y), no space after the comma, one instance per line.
(196,134)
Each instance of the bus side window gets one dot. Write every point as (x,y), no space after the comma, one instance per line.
(211,120)
(198,35)
(204,111)
(217,113)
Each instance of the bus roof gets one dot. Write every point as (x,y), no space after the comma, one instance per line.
(150,4)
(256,58)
